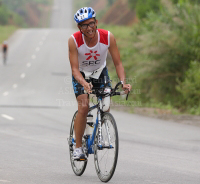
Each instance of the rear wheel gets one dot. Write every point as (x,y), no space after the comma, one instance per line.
(77,166)
(106,159)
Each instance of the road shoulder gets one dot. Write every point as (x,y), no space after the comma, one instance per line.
(161,114)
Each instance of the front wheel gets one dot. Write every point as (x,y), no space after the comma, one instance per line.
(105,159)
(77,166)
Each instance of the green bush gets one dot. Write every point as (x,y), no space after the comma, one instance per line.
(186,1)
(17,11)
(164,45)
(143,7)
(18,20)
(7,16)
(4,15)
(190,87)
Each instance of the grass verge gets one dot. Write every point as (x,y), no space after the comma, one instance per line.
(6,31)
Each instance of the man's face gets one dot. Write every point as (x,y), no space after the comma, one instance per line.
(88,27)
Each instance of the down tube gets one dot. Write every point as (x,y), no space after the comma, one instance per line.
(90,141)
(95,129)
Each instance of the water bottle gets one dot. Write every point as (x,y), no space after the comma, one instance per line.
(89,125)
(106,100)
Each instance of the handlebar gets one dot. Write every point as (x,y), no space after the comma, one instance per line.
(122,93)
(101,92)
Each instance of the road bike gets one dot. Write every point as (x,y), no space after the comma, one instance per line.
(103,141)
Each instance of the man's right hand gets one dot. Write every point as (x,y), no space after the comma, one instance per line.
(88,87)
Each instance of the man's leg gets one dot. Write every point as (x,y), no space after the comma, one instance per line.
(80,121)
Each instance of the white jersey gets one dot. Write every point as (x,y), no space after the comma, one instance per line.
(92,58)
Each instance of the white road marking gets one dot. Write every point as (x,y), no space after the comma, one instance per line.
(33,56)
(37,49)
(5,93)
(41,43)
(22,75)
(28,64)
(15,86)
(5,181)
(7,117)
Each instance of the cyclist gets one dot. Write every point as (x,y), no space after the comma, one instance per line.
(87,54)
(5,48)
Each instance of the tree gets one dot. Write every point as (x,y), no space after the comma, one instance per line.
(4,15)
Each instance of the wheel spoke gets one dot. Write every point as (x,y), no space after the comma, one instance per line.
(103,156)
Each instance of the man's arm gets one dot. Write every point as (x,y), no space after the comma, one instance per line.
(73,58)
(117,62)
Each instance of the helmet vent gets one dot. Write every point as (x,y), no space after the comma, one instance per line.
(81,11)
(78,14)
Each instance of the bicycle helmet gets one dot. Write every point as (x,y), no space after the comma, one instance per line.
(83,14)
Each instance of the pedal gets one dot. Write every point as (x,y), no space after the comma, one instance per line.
(81,159)
(85,159)
(107,147)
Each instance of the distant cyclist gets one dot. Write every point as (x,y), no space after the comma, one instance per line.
(88,50)
(5,50)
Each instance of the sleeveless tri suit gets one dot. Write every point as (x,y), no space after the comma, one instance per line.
(92,60)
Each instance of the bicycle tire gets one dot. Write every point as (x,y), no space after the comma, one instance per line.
(101,159)
(77,166)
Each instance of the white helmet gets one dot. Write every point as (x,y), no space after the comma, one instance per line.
(84,14)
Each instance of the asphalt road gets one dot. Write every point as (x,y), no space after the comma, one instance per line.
(36,108)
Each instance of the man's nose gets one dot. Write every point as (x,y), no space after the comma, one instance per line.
(89,27)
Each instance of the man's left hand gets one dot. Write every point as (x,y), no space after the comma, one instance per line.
(127,88)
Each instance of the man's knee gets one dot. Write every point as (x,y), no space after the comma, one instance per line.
(83,110)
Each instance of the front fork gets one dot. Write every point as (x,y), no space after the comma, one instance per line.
(99,129)
(100,133)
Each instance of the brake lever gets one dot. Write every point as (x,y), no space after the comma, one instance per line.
(127,96)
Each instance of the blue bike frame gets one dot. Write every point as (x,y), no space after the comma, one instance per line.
(90,139)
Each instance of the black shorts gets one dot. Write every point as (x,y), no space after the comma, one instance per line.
(97,83)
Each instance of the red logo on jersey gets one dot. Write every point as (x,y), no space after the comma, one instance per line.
(92,54)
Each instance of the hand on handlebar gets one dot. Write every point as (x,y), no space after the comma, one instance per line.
(127,88)
(88,87)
